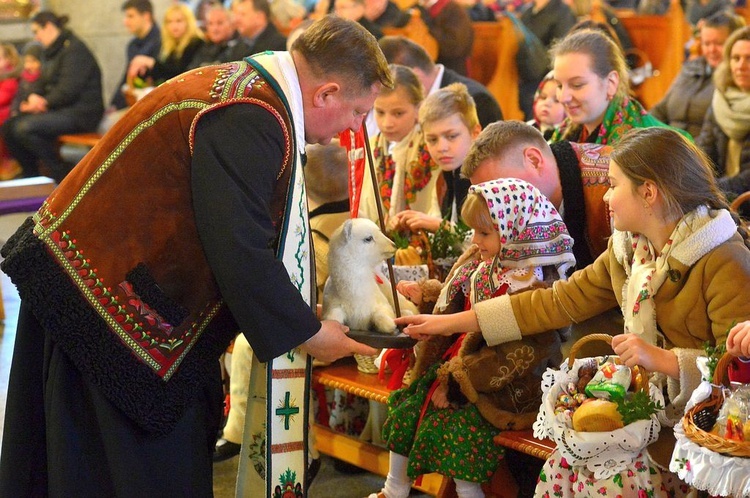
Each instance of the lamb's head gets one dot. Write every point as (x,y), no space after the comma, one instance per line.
(361,240)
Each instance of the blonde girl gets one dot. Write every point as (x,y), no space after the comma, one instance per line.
(406,174)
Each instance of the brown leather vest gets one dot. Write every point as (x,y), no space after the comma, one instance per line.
(121,229)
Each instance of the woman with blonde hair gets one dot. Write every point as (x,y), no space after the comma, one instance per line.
(180,40)
(593,85)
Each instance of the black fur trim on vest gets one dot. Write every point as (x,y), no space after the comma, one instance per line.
(574,209)
(151,403)
(148,290)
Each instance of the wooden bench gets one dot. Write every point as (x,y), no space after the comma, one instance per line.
(493,63)
(83,139)
(525,442)
(662,39)
(416,30)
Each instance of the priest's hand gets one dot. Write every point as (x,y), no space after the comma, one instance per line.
(331,343)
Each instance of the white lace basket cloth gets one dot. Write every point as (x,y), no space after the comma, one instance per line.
(702,468)
(603,453)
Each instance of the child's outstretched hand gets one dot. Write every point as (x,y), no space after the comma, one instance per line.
(738,341)
(440,396)
(410,290)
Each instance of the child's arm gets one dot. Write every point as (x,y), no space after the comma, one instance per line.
(738,341)
(633,351)
(416,220)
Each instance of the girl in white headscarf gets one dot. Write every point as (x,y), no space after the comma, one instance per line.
(466,392)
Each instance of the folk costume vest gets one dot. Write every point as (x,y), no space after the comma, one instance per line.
(138,311)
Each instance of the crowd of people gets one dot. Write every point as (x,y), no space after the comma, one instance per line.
(593,203)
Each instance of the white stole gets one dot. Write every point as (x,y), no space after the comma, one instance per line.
(273,460)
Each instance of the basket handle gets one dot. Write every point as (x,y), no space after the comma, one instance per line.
(641,373)
(720,372)
(425,241)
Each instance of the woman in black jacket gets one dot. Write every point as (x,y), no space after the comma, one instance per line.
(70,100)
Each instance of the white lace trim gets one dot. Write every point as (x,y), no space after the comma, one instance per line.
(709,471)
(603,453)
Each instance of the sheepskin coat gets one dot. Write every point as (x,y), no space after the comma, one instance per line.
(698,303)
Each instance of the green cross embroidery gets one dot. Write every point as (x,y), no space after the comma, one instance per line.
(287,411)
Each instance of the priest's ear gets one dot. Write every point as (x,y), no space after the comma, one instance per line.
(325,93)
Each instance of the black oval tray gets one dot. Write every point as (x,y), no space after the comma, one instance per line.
(381,341)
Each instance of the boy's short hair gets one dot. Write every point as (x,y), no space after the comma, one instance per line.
(447,101)
(142,6)
(476,214)
(327,173)
(502,138)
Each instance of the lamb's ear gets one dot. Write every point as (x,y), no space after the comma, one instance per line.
(347,232)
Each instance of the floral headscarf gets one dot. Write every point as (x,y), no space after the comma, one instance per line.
(532,235)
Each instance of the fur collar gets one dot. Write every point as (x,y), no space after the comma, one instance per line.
(702,232)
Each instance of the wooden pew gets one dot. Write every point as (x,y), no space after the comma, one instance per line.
(416,30)
(84,139)
(525,442)
(493,63)
(744,12)
(662,39)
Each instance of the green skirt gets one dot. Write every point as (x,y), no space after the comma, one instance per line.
(455,442)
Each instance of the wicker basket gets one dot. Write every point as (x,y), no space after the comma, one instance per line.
(603,453)
(641,375)
(366,364)
(712,405)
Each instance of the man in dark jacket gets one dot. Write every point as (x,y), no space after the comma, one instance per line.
(252,18)
(223,40)
(401,50)
(139,21)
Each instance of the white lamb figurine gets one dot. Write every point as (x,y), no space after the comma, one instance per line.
(352,294)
